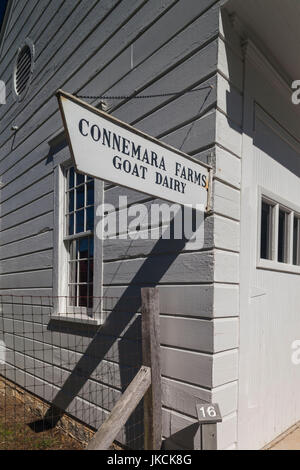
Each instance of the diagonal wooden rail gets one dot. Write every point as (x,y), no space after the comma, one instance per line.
(109,430)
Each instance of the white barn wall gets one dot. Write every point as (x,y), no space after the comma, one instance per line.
(269,298)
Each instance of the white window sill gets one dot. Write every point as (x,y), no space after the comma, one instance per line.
(75,318)
(270,265)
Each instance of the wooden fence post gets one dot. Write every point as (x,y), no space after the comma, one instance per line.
(151,358)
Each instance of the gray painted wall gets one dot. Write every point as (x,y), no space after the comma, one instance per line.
(125,47)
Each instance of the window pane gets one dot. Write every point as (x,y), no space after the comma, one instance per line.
(83,272)
(296,241)
(83,248)
(71,178)
(83,292)
(70,224)
(266,227)
(90,218)
(79,179)
(71,201)
(80,221)
(90,194)
(282,237)
(79,197)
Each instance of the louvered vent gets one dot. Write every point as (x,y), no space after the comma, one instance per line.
(23,70)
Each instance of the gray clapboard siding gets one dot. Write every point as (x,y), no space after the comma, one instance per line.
(184,109)
(207,24)
(33,227)
(197,368)
(228,167)
(225,367)
(27,173)
(191,367)
(230,64)
(23,19)
(230,100)
(18,6)
(69,63)
(226,200)
(187,300)
(37,190)
(135,246)
(40,278)
(21,29)
(38,260)
(45,204)
(186,268)
(124,61)
(29,292)
(57,40)
(40,242)
(43,34)
(195,135)
(192,70)
(226,300)
(228,134)
(198,335)
(226,234)
(227,397)
(226,267)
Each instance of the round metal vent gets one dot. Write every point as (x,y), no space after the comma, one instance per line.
(23,69)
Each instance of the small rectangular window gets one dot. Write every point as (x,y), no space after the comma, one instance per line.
(266,230)
(296,251)
(282,236)
(80,239)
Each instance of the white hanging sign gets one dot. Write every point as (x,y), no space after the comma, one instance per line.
(106,148)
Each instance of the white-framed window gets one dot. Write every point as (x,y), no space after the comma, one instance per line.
(278,234)
(77,252)
(79,237)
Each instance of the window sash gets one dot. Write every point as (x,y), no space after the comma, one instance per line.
(281,239)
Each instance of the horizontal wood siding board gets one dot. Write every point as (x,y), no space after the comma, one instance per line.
(191,71)
(35,261)
(187,300)
(187,366)
(226,234)
(37,190)
(42,241)
(184,268)
(135,246)
(194,136)
(226,200)
(187,108)
(30,279)
(34,209)
(230,65)
(226,267)
(34,226)
(225,367)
